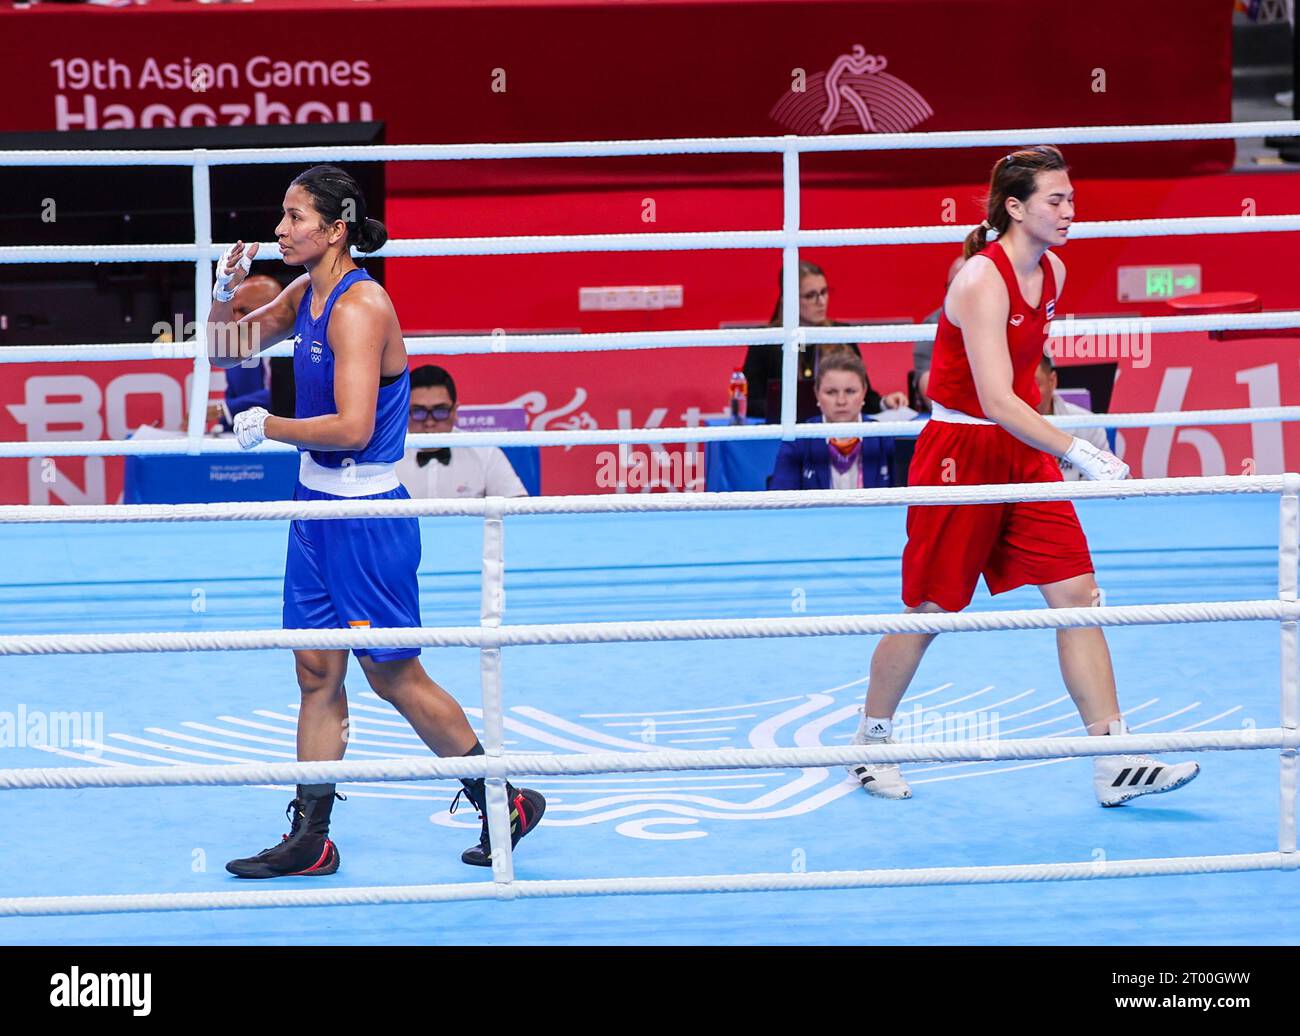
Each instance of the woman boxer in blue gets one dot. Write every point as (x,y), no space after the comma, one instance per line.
(353,394)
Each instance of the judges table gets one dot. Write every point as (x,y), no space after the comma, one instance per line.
(224,477)
(742,466)
(738,465)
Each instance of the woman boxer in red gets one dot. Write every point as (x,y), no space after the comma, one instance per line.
(986,430)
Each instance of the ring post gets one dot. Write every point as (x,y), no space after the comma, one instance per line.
(790,288)
(493,605)
(1288,558)
(202,302)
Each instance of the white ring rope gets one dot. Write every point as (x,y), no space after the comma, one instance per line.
(634,436)
(454,768)
(38,906)
(621,503)
(520,635)
(1111,329)
(945,139)
(549,244)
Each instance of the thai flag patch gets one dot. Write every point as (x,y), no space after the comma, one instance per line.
(1051,308)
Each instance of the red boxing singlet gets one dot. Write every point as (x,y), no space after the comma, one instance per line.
(949,546)
(951,382)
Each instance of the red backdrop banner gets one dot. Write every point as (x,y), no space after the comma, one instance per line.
(501,72)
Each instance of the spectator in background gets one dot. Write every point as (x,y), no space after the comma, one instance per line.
(841,387)
(466,471)
(1050,403)
(763,362)
(247,384)
(922,351)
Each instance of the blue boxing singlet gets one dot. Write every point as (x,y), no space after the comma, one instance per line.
(369,468)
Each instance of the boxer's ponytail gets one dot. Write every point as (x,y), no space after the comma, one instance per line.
(337,196)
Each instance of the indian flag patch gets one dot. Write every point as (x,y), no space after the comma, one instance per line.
(359,624)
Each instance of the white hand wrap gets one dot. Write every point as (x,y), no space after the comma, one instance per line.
(250,427)
(220,290)
(1098,465)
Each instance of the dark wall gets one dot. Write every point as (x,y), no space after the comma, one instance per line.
(53,303)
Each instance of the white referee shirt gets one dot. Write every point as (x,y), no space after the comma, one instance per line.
(474,471)
(1096,436)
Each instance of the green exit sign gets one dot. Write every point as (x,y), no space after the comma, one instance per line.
(1156,283)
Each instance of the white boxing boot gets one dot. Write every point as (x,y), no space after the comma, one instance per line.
(884,780)
(1118,778)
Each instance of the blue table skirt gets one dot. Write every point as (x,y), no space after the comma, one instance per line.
(219,478)
(738,465)
(527,462)
(212,478)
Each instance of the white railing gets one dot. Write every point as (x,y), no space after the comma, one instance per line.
(790,238)
(496,766)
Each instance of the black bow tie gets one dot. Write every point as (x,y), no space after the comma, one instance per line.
(441,455)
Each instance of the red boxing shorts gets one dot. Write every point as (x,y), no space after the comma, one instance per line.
(950,546)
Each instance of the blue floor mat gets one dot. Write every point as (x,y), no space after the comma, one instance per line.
(208,707)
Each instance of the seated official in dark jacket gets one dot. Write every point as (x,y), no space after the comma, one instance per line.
(836,463)
(763,362)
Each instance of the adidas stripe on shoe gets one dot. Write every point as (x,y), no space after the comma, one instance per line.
(1120,778)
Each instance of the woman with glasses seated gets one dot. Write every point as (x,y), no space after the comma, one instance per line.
(466,471)
(763,362)
(841,388)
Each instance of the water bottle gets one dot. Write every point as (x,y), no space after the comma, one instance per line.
(739,396)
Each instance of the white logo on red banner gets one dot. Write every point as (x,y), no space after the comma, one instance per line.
(855,95)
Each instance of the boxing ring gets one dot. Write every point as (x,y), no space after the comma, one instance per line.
(1202,532)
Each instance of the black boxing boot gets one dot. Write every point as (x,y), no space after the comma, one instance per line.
(526,809)
(306,849)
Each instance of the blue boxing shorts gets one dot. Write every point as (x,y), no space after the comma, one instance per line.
(353,572)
